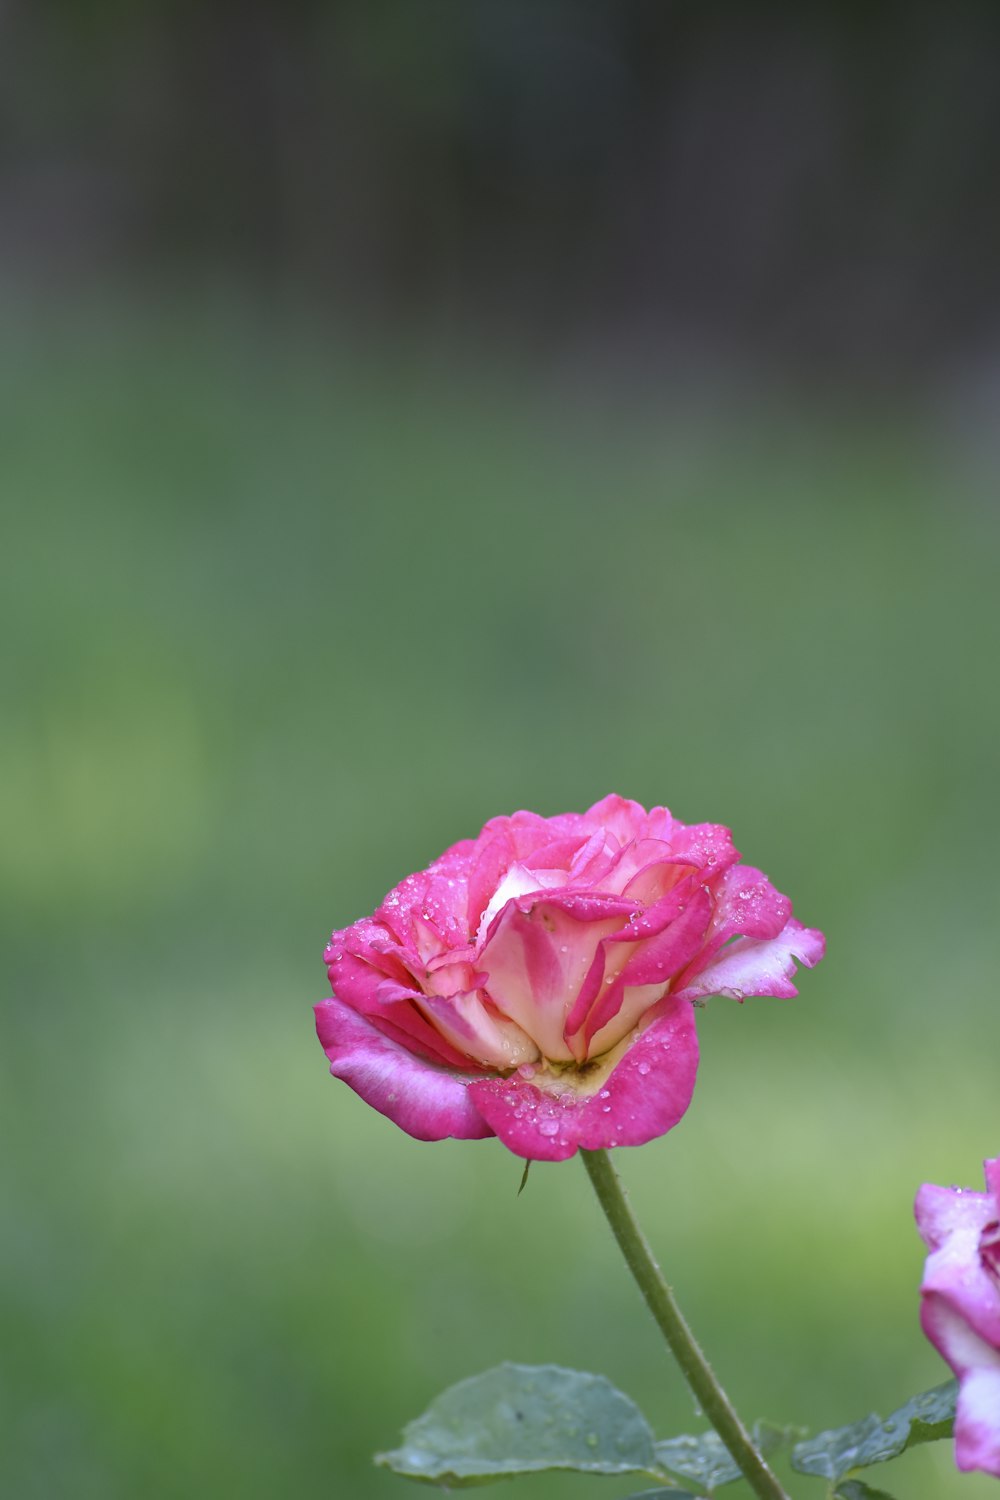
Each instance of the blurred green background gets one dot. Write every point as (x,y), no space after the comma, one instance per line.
(293,597)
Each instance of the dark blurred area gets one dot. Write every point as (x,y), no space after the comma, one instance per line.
(410,412)
(809,186)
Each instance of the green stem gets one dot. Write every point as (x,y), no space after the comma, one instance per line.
(681,1341)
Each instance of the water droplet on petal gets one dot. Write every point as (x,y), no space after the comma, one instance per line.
(548,1127)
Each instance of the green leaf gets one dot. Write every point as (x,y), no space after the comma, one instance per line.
(519,1419)
(670,1494)
(836,1453)
(706,1460)
(856,1489)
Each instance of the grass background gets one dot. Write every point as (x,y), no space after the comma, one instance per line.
(284,616)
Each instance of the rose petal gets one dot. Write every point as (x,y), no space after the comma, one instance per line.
(427,910)
(365,981)
(707,847)
(956,1282)
(620,816)
(992,1171)
(648,968)
(749,967)
(746,905)
(977,1419)
(644,1093)
(537,956)
(428,1102)
(977,1365)
(942,1212)
(479,1032)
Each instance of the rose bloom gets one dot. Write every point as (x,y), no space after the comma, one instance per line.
(538,982)
(960,1308)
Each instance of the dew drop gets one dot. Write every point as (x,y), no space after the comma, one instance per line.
(548,1127)
(642,1068)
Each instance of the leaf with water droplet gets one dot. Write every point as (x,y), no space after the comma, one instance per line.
(523,1419)
(670,1494)
(874,1440)
(856,1489)
(706,1460)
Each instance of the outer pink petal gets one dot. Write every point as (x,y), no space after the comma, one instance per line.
(426,1101)
(977,1365)
(619,815)
(942,1212)
(707,847)
(960,1310)
(644,1096)
(751,967)
(992,1170)
(427,910)
(746,905)
(364,978)
(977,1420)
(956,1280)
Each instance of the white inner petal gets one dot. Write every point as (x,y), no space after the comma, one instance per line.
(518,881)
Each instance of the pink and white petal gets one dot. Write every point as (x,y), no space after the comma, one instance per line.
(647,969)
(428,1102)
(446,975)
(518,881)
(427,910)
(618,815)
(627,1004)
(956,1277)
(643,1092)
(649,1089)
(707,847)
(537,956)
(643,870)
(665,953)
(482,1035)
(377,983)
(593,860)
(364,954)
(749,967)
(992,1170)
(613,954)
(943,1212)
(394,1005)
(746,905)
(530,831)
(493,856)
(661,824)
(977,1421)
(977,1365)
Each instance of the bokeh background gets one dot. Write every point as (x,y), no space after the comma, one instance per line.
(412,412)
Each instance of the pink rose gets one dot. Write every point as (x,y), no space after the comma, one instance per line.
(960,1309)
(538,983)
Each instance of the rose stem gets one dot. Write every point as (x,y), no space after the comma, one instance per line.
(681,1341)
